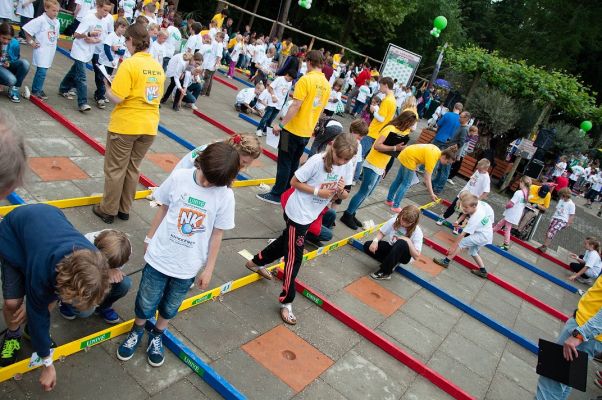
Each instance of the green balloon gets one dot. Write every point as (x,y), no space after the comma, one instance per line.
(440,22)
(586,126)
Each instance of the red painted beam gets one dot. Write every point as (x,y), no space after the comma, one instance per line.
(509,287)
(527,245)
(80,133)
(440,381)
(225,82)
(230,131)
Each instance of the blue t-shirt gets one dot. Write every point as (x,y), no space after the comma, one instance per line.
(447,126)
(34,239)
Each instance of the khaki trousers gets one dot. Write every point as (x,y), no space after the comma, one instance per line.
(123,156)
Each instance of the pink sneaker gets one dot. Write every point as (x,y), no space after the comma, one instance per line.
(389,203)
(396,210)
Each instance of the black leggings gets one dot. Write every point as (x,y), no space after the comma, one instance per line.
(455,168)
(389,255)
(172,85)
(451,209)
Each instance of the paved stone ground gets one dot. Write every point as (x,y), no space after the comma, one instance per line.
(224,333)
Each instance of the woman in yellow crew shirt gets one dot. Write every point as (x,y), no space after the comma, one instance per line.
(410,158)
(383,114)
(136,91)
(375,163)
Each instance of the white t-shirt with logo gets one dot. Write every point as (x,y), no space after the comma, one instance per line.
(362,95)
(392,235)
(108,28)
(515,213)
(128,7)
(26,11)
(481,222)
(174,39)
(46,32)
(82,51)
(158,51)
(564,209)
(280,86)
(187,161)
(333,99)
(84,8)
(236,51)
(180,246)
(559,169)
(593,262)
(245,96)
(577,172)
(304,208)
(194,43)
(111,40)
(478,184)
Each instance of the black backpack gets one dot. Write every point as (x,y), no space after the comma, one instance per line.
(323,134)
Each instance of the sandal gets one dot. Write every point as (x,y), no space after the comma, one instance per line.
(289,318)
(259,270)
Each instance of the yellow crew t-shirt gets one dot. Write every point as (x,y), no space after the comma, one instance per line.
(219,18)
(535,199)
(313,91)
(139,82)
(375,157)
(420,154)
(590,304)
(387,110)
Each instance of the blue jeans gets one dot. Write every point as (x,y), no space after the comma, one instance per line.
(192,93)
(326,230)
(290,150)
(440,175)
(22,21)
(268,117)
(548,389)
(76,78)
(118,290)
(358,106)
(367,143)
(158,291)
(38,80)
(99,79)
(369,183)
(358,171)
(400,185)
(14,74)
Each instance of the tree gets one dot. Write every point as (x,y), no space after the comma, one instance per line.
(496,111)
(569,140)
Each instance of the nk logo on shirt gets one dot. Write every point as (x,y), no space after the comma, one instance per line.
(190,221)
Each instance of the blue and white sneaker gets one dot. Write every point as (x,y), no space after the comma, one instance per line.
(269,198)
(109,315)
(14,95)
(67,312)
(154,351)
(128,348)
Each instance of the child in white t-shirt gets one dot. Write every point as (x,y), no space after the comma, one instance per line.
(248,148)
(90,32)
(42,34)
(114,46)
(183,242)
(334,98)
(211,60)
(262,102)
(24,11)
(560,167)
(514,210)
(278,89)
(100,93)
(563,217)
(478,184)
(246,99)
(178,66)
(159,48)
(321,178)
(361,99)
(479,227)
(587,268)
(402,244)
(128,7)
(236,53)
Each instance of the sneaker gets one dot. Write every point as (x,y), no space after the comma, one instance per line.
(314,240)
(108,314)
(72,92)
(84,108)
(176,107)
(444,262)
(106,218)
(505,246)
(41,95)
(27,336)
(348,220)
(380,276)
(388,203)
(396,210)
(154,351)
(128,348)
(123,216)
(479,273)
(259,133)
(440,221)
(26,92)
(585,281)
(100,103)
(451,182)
(268,198)
(68,95)
(14,95)
(9,350)
(456,230)
(599,214)
(66,312)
